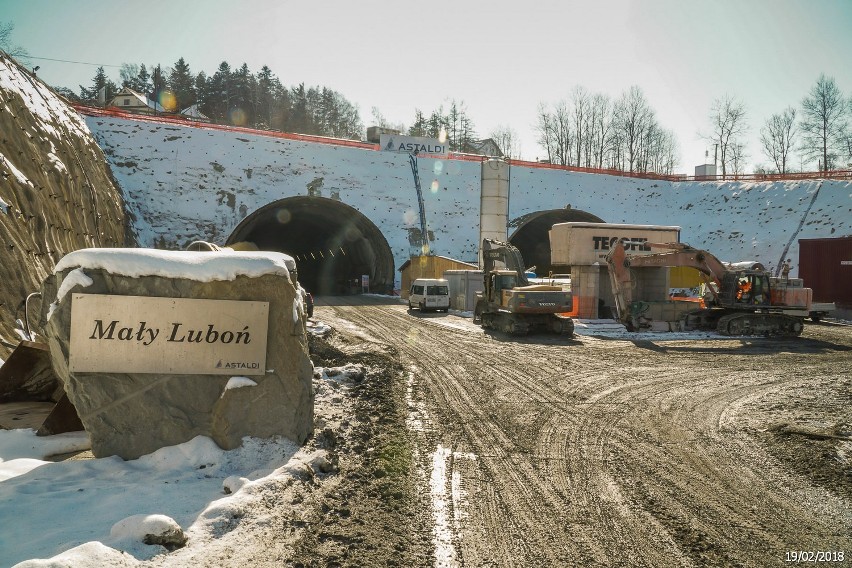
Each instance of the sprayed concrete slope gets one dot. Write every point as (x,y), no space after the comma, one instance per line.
(184,183)
(56,194)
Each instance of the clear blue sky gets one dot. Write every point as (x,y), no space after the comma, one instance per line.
(500,58)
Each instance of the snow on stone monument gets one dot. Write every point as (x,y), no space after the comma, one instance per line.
(148,342)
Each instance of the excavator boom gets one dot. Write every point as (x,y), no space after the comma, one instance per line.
(745,298)
(497,255)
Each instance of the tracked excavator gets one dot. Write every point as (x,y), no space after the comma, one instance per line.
(741,298)
(510,304)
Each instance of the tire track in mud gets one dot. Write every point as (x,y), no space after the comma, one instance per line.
(606,453)
(516,491)
(703,505)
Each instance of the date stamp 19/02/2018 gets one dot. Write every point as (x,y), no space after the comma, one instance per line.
(814,556)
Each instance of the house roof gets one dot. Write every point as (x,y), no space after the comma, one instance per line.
(193,112)
(407,263)
(486,146)
(140,98)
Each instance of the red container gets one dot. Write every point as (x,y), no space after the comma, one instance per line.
(826,266)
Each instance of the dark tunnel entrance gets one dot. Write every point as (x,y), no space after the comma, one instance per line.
(334,244)
(532,239)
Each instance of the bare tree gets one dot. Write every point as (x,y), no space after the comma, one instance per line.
(591,131)
(16,51)
(544,126)
(507,139)
(737,157)
(847,138)
(823,122)
(728,120)
(554,131)
(580,102)
(633,119)
(778,137)
(600,119)
(660,153)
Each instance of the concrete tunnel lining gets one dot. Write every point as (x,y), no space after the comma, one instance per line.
(334,244)
(533,240)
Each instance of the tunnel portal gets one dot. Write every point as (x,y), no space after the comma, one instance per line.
(532,235)
(334,244)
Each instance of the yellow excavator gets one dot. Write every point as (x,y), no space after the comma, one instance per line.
(510,304)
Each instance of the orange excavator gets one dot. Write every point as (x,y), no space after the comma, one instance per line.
(741,298)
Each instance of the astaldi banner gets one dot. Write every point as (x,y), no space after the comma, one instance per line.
(412,145)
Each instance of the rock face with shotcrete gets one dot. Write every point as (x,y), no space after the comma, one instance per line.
(56,191)
(157,347)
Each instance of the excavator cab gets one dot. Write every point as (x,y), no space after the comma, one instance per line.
(502,281)
(498,281)
(744,288)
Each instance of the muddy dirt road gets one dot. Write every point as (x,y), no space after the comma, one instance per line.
(590,451)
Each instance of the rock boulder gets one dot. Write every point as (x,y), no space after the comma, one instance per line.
(132,414)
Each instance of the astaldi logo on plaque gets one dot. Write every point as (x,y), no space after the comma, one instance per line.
(140,334)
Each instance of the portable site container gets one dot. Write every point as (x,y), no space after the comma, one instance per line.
(464,284)
(826,266)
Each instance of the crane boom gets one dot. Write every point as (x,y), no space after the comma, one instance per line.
(424,236)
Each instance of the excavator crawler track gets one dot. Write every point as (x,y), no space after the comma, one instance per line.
(759,324)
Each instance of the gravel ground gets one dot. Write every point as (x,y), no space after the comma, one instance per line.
(485,450)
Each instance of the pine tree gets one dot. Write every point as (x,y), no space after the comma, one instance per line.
(100,81)
(202,92)
(264,100)
(182,85)
(143,80)
(298,121)
(282,105)
(436,123)
(419,127)
(220,93)
(244,94)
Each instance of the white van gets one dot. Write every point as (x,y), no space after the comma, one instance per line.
(429,294)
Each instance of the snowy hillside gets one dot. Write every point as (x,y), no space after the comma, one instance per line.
(184,183)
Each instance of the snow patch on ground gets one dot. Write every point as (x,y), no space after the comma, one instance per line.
(445,552)
(195,486)
(318,328)
(611,329)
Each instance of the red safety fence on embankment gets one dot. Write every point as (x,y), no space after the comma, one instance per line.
(188,121)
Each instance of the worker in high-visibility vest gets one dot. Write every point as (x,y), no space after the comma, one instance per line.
(743,289)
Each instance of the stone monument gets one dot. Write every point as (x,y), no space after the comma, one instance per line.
(157,347)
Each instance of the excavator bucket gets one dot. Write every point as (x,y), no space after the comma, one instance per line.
(29,390)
